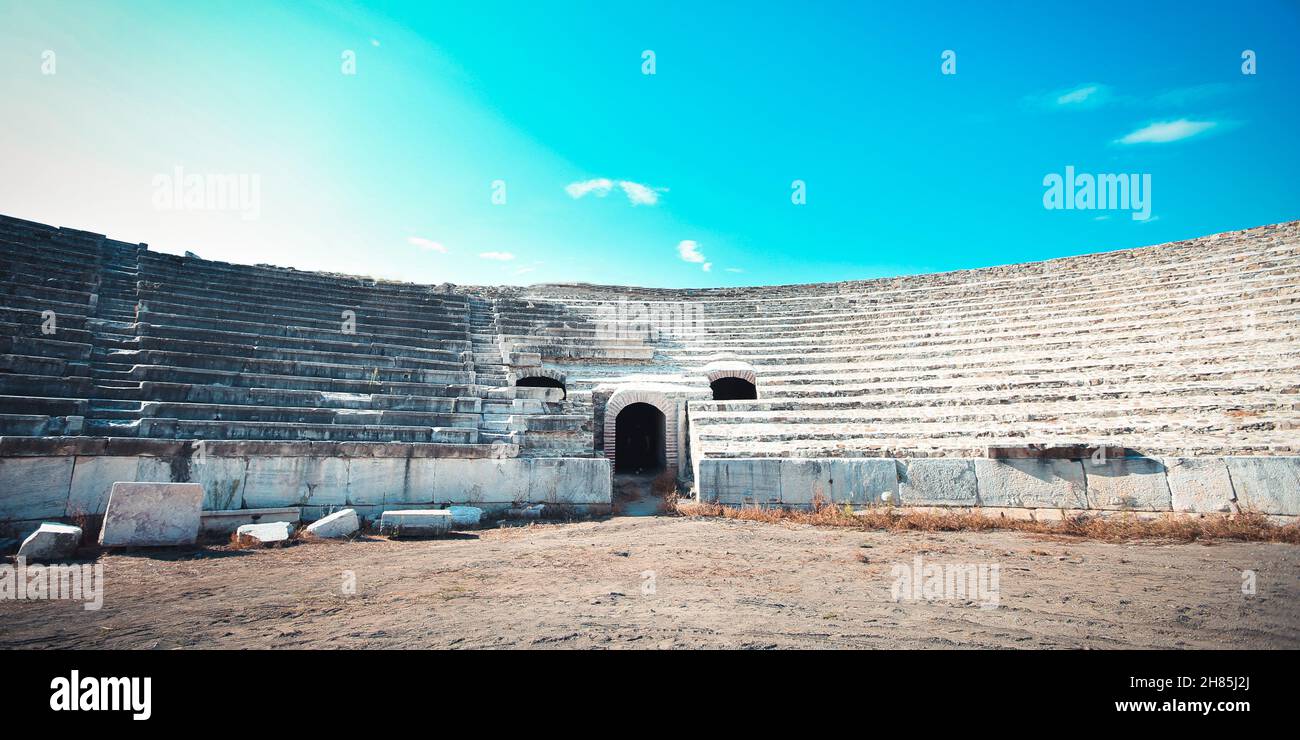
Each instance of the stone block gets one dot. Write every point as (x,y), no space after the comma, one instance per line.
(1031,483)
(1199,484)
(856,481)
(51,542)
(465,516)
(1127,484)
(93,478)
(222,479)
(374,481)
(226,521)
(478,481)
(415,522)
(741,481)
(343,523)
(566,480)
(937,482)
(152,514)
(296,481)
(34,487)
(270,533)
(1268,485)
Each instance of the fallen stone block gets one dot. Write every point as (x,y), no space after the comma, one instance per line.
(51,542)
(152,515)
(343,523)
(271,533)
(415,523)
(226,522)
(465,516)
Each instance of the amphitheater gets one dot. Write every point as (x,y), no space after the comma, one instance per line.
(1164,378)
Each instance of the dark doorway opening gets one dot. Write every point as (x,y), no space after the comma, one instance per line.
(733,389)
(537,381)
(639,439)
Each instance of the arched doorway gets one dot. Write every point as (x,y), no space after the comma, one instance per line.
(537,381)
(639,439)
(733,389)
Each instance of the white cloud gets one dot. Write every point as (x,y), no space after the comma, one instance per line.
(689,251)
(428,244)
(637,194)
(707,266)
(734,269)
(523,270)
(1167,131)
(1080,95)
(374,42)
(499,256)
(600,186)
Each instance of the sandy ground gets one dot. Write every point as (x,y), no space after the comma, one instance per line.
(662,582)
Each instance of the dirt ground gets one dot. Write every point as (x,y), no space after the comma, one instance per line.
(674,582)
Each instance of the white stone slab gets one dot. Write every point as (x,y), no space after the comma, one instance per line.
(856,481)
(93,477)
(34,487)
(1031,483)
(374,481)
(465,516)
(741,481)
(565,480)
(343,523)
(936,482)
(296,481)
(222,479)
(152,514)
(51,542)
(1127,484)
(415,522)
(1199,484)
(1268,485)
(270,533)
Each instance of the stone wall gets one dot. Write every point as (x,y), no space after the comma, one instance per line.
(50,478)
(1267,485)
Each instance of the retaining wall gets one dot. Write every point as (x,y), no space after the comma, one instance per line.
(45,478)
(1268,485)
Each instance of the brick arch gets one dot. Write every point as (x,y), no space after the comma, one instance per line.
(740,370)
(626,397)
(540,372)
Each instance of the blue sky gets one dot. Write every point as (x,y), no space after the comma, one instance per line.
(390,171)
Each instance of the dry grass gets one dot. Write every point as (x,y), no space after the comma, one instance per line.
(1115,528)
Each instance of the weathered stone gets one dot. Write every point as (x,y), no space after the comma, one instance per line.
(34,487)
(741,481)
(375,481)
(1268,485)
(415,522)
(856,481)
(51,542)
(93,478)
(1129,484)
(937,482)
(271,533)
(465,516)
(295,481)
(343,523)
(152,514)
(224,521)
(1199,484)
(564,481)
(1031,483)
